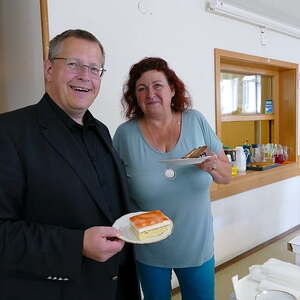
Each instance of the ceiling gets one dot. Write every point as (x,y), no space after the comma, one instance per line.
(283,11)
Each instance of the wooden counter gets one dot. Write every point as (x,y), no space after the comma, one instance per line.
(254,179)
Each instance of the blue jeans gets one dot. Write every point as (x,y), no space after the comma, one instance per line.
(196,283)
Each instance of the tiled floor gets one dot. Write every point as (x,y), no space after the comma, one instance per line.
(223,277)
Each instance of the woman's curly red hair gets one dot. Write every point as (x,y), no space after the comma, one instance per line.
(180,101)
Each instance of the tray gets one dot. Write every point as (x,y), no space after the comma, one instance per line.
(262,166)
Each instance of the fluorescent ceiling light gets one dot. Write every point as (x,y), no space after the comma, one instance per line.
(220,8)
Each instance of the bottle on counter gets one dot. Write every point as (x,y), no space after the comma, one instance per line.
(247,150)
(231,156)
(241,159)
(255,153)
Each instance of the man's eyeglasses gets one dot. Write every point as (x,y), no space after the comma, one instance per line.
(75,66)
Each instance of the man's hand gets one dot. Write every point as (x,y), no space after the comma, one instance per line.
(100,243)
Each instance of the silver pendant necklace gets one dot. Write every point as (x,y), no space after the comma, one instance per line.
(170,174)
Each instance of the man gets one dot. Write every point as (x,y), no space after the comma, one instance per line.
(61,188)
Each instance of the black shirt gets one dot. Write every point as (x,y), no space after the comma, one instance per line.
(88,138)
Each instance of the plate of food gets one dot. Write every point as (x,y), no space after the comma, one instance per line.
(196,156)
(144,227)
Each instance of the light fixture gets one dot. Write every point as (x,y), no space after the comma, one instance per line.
(143,7)
(224,9)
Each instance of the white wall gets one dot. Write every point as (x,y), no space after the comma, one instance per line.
(248,219)
(185,35)
(21,76)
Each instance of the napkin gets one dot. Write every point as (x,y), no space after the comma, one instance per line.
(276,272)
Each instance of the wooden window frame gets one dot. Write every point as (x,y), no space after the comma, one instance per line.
(285,95)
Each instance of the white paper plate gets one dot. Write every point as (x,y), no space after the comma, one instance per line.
(126,234)
(184,161)
(274,295)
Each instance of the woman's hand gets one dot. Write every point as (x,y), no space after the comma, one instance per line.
(210,163)
(217,166)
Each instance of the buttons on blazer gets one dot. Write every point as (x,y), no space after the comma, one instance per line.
(57,278)
(115,277)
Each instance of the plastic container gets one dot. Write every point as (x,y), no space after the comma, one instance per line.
(241,159)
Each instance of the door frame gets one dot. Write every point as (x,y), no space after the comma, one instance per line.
(44,27)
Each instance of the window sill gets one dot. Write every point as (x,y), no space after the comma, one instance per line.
(254,179)
(245,117)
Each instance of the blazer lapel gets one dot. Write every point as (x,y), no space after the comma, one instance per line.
(65,144)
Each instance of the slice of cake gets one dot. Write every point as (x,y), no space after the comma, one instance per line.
(149,224)
(197,152)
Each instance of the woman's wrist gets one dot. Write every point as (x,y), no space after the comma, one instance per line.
(214,165)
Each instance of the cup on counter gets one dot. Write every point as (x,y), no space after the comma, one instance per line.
(278,154)
(267,152)
(285,153)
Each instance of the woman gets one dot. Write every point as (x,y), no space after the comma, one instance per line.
(161,126)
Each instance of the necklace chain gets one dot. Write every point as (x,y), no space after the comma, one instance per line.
(173,135)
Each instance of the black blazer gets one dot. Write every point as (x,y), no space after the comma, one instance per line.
(48,197)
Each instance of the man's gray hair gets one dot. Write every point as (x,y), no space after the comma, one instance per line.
(57,42)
